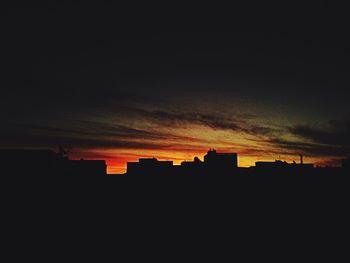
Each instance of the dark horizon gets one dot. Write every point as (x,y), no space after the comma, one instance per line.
(50,164)
(123,82)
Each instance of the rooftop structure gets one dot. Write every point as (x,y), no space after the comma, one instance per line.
(228,160)
(346,163)
(43,162)
(149,166)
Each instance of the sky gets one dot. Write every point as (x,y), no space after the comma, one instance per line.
(119,83)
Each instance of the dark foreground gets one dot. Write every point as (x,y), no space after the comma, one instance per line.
(234,212)
(252,186)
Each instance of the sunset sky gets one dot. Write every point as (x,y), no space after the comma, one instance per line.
(119,83)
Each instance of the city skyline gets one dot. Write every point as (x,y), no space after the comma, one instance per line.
(49,164)
(118,83)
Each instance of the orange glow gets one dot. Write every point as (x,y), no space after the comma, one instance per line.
(195,141)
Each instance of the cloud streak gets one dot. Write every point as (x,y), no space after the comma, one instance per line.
(140,126)
(336,134)
(236,123)
(329,141)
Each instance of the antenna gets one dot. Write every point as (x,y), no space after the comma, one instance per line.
(62,152)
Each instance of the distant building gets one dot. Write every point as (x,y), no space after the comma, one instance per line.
(31,163)
(85,167)
(283,166)
(271,165)
(346,163)
(214,164)
(222,160)
(196,163)
(28,162)
(149,166)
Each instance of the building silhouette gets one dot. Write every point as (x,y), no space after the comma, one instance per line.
(214,163)
(282,167)
(46,163)
(226,164)
(149,166)
(43,163)
(346,163)
(222,160)
(196,163)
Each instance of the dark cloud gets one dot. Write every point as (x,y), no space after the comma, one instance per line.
(91,135)
(253,151)
(51,141)
(94,130)
(332,140)
(261,131)
(215,122)
(337,133)
(312,149)
(236,123)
